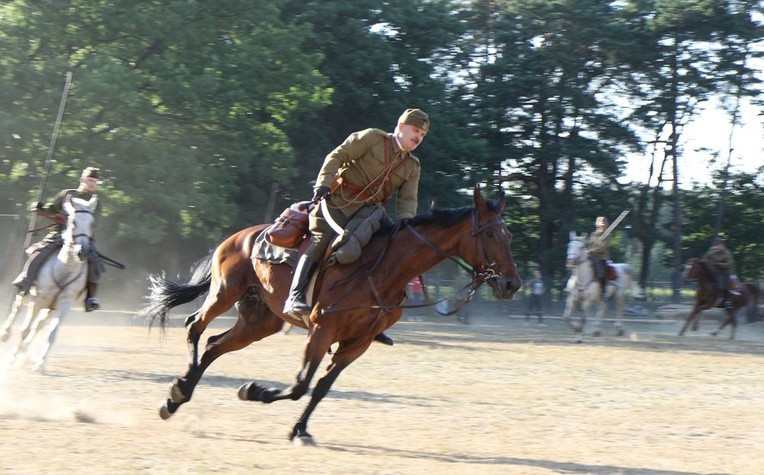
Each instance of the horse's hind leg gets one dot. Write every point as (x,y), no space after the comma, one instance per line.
(255,322)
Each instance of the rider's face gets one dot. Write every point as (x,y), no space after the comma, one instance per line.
(89,184)
(409,136)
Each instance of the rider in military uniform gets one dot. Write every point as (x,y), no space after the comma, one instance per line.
(41,251)
(367,169)
(720,257)
(599,251)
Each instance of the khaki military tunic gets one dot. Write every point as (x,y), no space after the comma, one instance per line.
(360,161)
(599,248)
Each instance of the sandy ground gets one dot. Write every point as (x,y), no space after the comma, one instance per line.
(491,397)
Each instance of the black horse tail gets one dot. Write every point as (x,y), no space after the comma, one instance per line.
(165,294)
(753,302)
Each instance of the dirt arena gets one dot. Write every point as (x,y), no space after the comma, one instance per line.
(491,397)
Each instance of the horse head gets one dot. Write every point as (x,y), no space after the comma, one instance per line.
(577,252)
(79,226)
(697,269)
(488,251)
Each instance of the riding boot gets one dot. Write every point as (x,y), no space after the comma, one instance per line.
(28,275)
(91,303)
(295,305)
(384,339)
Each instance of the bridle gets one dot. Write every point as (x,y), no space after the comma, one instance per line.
(72,226)
(479,275)
(578,256)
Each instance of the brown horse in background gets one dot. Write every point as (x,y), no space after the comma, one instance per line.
(700,270)
(354,302)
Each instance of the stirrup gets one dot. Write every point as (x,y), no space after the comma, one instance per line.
(91,304)
(297,308)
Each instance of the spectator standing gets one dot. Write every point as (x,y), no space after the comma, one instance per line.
(537,291)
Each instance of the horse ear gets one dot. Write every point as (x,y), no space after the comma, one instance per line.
(572,235)
(477,197)
(500,200)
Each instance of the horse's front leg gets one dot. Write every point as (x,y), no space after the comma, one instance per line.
(692,317)
(344,356)
(599,311)
(5,333)
(570,304)
(55,322)
(34,320)
(318,344)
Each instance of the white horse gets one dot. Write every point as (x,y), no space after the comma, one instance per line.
(583,288)
(60,280)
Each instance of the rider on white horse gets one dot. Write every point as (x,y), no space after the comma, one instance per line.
(40,252)
(599,251)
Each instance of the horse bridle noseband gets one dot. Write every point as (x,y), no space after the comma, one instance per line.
(75,236)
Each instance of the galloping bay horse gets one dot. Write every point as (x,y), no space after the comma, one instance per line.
(354,302)
(60,280)
(706,297)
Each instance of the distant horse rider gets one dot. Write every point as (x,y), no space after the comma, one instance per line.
(720,258)
(38,253)
(599,252)
(367,169)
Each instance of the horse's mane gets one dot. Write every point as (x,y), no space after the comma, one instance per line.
(446,217)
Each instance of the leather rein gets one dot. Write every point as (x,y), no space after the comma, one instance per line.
(479,276)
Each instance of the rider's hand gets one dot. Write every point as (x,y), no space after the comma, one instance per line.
(320,192)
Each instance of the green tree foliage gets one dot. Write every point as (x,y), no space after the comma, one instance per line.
(183,104)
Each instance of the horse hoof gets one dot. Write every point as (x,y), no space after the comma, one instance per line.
(5,336)
(619,332)
(167,409)
(303,441)
(714,333)
(579,340)
(596,333)
(176,394)
(300,437)
(252,392)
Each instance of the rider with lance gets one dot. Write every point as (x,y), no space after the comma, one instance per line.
(599,250)
(367,169)
(38,253)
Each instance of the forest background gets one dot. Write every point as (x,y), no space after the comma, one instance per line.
(208,116)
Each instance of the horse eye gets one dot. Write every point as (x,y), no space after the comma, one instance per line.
(489,233)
